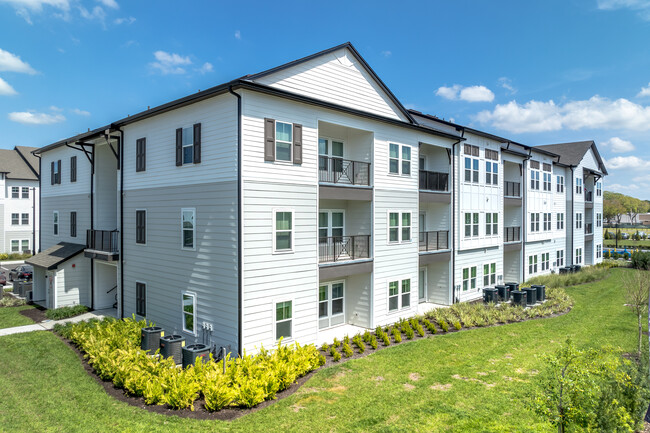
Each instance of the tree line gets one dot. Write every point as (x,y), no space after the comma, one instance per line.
(615,205)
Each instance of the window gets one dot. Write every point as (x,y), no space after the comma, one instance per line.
(15,192)
(15,219)
(471,225)
(491,154)
(283,141)
(283,322)
(55,172)
(547,221)
(393,295)
(399,227)
(141,299)
(330,304)
(489,274)
(15,246)
(599,189)
(532,265)
(599,220)
(73,224)
(491,224)
(578,256)
(545,261)
(491,172)
(470,150)
(560,184)
(399,159)
(599,251)
(578,220)
(189,312)
(24,219)
(188,145)
(578,185)
(534,179)
(73,169)
(469,278)
(24,245)
(560,221)
(55,220)
(282,231)
(534,222)
(140,226)
(559,256)
(471,170)
(397,300)
(140,154)
(547,181)
(188,228)
(24,192)
(406,293)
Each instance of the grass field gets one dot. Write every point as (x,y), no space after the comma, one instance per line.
(10,316)
(471,381)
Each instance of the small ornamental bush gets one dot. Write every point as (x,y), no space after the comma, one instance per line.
(10,301)
(325,347)
(430,326)
(336,343)
(444,326)
(457,325)
(336,356)
(359,343)
(397,336)
(65,312)
(347,350)
(415,324)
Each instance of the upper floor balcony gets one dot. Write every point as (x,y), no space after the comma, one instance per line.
(434,241)
(332,169)
(333,249)
(512,189)
(434,181)
(511,238)
(102,245)
(589,199)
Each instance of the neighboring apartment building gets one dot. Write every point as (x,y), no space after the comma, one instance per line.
(19,171)
(301,202)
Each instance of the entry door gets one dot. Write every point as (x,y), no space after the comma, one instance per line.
(330,233)
(331,305)
(422,285)
(330,158)
(422,162)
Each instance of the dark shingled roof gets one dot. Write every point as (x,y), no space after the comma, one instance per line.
(54,256)
(572,153)
(17,166)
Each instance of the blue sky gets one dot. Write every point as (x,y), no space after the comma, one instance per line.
(534,71)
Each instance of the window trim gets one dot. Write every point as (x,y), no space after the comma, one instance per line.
(329,301)
(146,216)
(578,221)
(559,256)
(11,246)
(73,168)
(400,160)
(400,227)
(22,192)
(400,294)
(142,156)
(194,312)
(145,299)
(559,185)
(491,275)
(17,188)
(471,280)
(293,230)
(22,219)
(183,146)
(17,223)
(183,247)
(275,141)
(56,222)
(274,310)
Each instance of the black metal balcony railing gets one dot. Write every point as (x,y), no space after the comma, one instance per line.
(339,170)
(589,195)
(434,241)
(341,248)
(512,234)
(102,240)
(434,181)
(589,229)
(512,189)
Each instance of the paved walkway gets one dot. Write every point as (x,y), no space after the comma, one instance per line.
(49,324)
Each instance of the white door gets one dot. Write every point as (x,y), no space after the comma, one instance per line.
(422,285)
(331,304)
(331,226)
(330,159)
(422,221)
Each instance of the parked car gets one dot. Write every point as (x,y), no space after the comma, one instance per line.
(3,279)
(625,236)
(22,272)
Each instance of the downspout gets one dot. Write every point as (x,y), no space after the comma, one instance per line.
(524,184)
(453,218)
(40,177)
(92,227)
(240,287)
(121,148)
(572,217)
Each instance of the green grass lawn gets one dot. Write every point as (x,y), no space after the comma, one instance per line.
(9,316)
(627,243)
(472,381)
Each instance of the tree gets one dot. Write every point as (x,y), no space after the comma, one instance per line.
(637,290)
(613,208)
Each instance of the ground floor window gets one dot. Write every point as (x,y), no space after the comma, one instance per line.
(141,299)
(189,312)
(559,255)
(489,274)
(283,319)
(578,256)
(599,251)
(469,278)
(395,301)
(532,264)
(15,246)
(545,261)
(331,304)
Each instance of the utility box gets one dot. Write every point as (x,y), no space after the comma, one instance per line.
(150,338)
(171,346)
(490,295)
(518,298)
(193,352)
(531,295)
(504,293)
(513,286)
(541,292)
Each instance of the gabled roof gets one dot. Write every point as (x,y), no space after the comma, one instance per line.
(16,166)
(31,160)
(54,256)
(571,154)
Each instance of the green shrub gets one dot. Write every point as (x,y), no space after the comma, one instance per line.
(457,325)
(14,256)
(397,336)
(336,343)
(359,343)
(430,326)
(405,327)
(10,301)
(444,326)
(347,350)
(325,347)
(336,356)
(641,260)
(415,324)
(65,312)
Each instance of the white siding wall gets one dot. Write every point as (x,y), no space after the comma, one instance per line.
(9,205)
(73,282)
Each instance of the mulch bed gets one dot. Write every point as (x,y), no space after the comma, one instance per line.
(200,412)
(37,314)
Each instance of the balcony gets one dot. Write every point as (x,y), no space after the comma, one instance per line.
(434,181)
(342,171)
(335,249)
(589,229)
(434,241)
(589,199)
(512,234)
(512,189)
(102,245)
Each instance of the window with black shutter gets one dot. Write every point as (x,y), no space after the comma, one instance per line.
(141,226)
(188,145)
(73,169)
(73,224)
(140,154)
(141,299)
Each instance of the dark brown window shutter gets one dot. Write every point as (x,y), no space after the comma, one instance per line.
(60,173)
(197,143)
(179,146)
(297,144)
(269,140)
(141,154)
(73,169)
(52,174)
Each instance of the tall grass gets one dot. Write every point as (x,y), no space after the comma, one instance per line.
(586,275)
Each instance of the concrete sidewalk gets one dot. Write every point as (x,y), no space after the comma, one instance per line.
(49,324)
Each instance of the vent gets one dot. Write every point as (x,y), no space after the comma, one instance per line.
(534,164)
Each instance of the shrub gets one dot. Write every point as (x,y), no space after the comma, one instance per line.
(430,326)
(415,324)
(641,260)
(359,343)
(457,325)
(373,342)
(336,343)
(65,312)
(444,326)
(397,336)
(336,356)
(325,347)
(405,327)
(10,301)
(347,350)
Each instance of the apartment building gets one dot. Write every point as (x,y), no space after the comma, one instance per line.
(19,173)
(302,203)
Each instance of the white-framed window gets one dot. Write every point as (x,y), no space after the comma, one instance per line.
(599,220)
(188,228)
(55,223)
(188,145)
(599,189)
(283,230)
(283,141)
(532,265)
(399,159)
(331,304)
(599,251)
(399,294)
(489,274)
(399,227)
(578,185)
(559,258)
(24,192)
(491,224)
(15,246)
(284,320)
(188,305)
(534,179)
(471,170)
(547,221)
(534,222)
(578,220)
(24,219)
(560,221)
(469,278)
(560,184)
(15,219)
(578,256)
(491,173)
(471,224)
(547,181)
(15,192)
(546,261)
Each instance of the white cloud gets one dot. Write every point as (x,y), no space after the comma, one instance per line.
(33,118)
(506,83)
(468,94)
(126,20)
(97,13)
(237,34)
(207,67)
(642,7)
(386,53)
(627,162)
(618,145)
(645,91)
(109,4)
(6,89)
(170,63)
(593,113)
(24,7)
(617,187)
(79,112)
(12,63)
(55,108)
